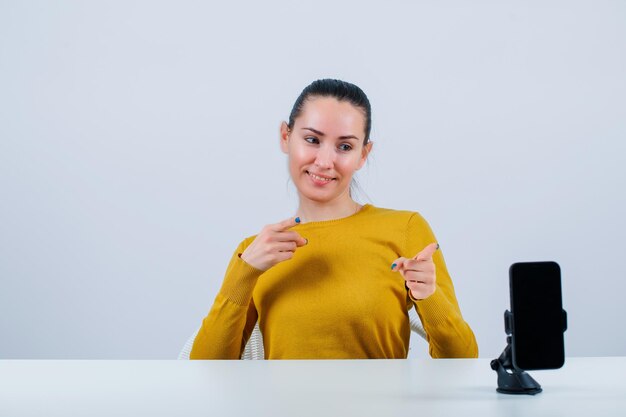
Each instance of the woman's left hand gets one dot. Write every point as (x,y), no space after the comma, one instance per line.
(418,272)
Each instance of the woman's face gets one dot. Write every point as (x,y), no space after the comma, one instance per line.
(325,148)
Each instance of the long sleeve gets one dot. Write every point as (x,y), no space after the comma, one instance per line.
(304,306)
(227,327)
(449,336)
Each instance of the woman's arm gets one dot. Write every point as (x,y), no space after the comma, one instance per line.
(230,322)
(449,336)
(227,327)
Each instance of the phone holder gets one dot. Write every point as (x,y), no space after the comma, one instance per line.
(512,380)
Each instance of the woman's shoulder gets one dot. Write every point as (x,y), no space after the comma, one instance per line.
(390,213)
(401,219)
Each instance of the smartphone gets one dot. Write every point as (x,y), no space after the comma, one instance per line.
(537,316)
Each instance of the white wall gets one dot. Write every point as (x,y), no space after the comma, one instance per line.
(139,145)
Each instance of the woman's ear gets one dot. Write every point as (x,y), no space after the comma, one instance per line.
(284,137)
(365,153)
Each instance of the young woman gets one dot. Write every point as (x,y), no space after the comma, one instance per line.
(337,279)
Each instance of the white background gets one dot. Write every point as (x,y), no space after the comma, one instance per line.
(139,145)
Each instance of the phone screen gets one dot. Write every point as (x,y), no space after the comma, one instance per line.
(538,318)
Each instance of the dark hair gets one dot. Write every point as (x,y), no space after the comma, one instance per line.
(342,91)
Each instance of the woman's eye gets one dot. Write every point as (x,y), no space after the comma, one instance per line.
(314,141)
(311,139)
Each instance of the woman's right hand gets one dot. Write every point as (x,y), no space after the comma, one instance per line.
(276,243)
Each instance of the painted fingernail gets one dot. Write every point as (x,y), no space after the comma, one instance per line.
(437,246)
(393,266)
(297,219)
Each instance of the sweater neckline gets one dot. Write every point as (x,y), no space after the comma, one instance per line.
(364,208)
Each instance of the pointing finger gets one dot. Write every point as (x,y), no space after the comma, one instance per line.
(427,253)
(418,266)
(285,224)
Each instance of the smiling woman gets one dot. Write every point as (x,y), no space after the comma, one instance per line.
(336,280)
(325,144)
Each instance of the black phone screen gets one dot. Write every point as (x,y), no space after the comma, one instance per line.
(538,317)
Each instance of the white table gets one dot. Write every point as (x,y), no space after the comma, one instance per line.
(583,387)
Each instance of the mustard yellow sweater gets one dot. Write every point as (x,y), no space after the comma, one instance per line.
(337,297)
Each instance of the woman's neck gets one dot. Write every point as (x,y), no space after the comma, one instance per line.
(313,211)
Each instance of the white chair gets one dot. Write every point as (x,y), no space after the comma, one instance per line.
(254,348)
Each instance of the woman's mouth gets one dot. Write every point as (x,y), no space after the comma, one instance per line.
(317,180)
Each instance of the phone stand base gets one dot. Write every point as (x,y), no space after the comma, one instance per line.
(510,379)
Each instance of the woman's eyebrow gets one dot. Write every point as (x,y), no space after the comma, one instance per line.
(317,132)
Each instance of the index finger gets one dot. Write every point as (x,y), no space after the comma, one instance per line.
(285,224)
(427,252)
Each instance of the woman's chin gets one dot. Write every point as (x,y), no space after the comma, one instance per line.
(318,195)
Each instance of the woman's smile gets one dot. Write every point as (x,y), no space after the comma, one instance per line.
(318,179)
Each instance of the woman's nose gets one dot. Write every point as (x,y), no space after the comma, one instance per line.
(324,158)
